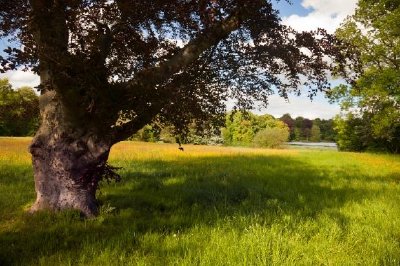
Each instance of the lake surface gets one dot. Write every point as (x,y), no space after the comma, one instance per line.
(330,145)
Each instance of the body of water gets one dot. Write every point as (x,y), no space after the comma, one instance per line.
(330,145)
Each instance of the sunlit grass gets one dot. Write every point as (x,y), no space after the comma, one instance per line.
(212,206)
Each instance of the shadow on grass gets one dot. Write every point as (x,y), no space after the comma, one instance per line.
(165,197)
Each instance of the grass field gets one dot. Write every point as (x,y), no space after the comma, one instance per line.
(212,206)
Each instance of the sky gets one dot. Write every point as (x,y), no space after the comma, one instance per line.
(301,15)
(305,15)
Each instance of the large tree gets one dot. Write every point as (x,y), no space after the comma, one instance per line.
(107,68)
(373,101)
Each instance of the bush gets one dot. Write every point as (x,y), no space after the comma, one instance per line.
(241,128)
(271,137)
(356,133)
(19,110)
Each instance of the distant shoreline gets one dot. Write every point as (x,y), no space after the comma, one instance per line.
(313,144)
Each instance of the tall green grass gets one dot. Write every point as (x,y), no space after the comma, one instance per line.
(212,206)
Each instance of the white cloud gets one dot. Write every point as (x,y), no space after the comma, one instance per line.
(301,106)
(325,14)
(19,78)
(296,106)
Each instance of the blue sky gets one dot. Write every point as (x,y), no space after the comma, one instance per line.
(301,15)
(286,9)
(309,15)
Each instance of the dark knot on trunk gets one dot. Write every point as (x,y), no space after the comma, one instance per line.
(97,173)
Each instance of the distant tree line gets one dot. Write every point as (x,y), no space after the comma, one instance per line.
(246,129)
(240,129)
(19,110)
(19,116)
(374,129)
(195,134)
(303,129)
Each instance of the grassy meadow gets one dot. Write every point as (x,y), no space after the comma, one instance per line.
(212,206)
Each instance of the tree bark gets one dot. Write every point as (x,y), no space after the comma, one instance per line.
(68,161)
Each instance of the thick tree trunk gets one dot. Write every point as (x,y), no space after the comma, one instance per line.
(68,161)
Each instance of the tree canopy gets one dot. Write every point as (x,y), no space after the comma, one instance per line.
(120,63)
(373,101)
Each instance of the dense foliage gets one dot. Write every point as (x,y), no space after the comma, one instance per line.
(242,128)
(303,129)
(271,137)
(166,134)
(19,110)
(372,103)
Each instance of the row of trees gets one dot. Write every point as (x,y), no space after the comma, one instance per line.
(240,129)
(167,134)
(19,116)
(19,110)
(303,129)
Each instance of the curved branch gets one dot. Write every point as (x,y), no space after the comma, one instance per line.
(148,79)
(188,54)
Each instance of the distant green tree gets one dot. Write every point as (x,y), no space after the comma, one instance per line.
(297,134)
(373,100)
(315,133)
(271,137)
(352,135)
(298,128)
(289,121)
(306,129)
(198,133)
(149,133)
(167,135)
(327,129)
(203,134)
(355,133)
(19,110)
(303,129)
(241,128)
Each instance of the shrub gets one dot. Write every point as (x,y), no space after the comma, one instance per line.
(241,128)
(271,137)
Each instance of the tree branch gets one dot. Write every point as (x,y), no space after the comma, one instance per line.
(52,41)
(148,79)
(187,55)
